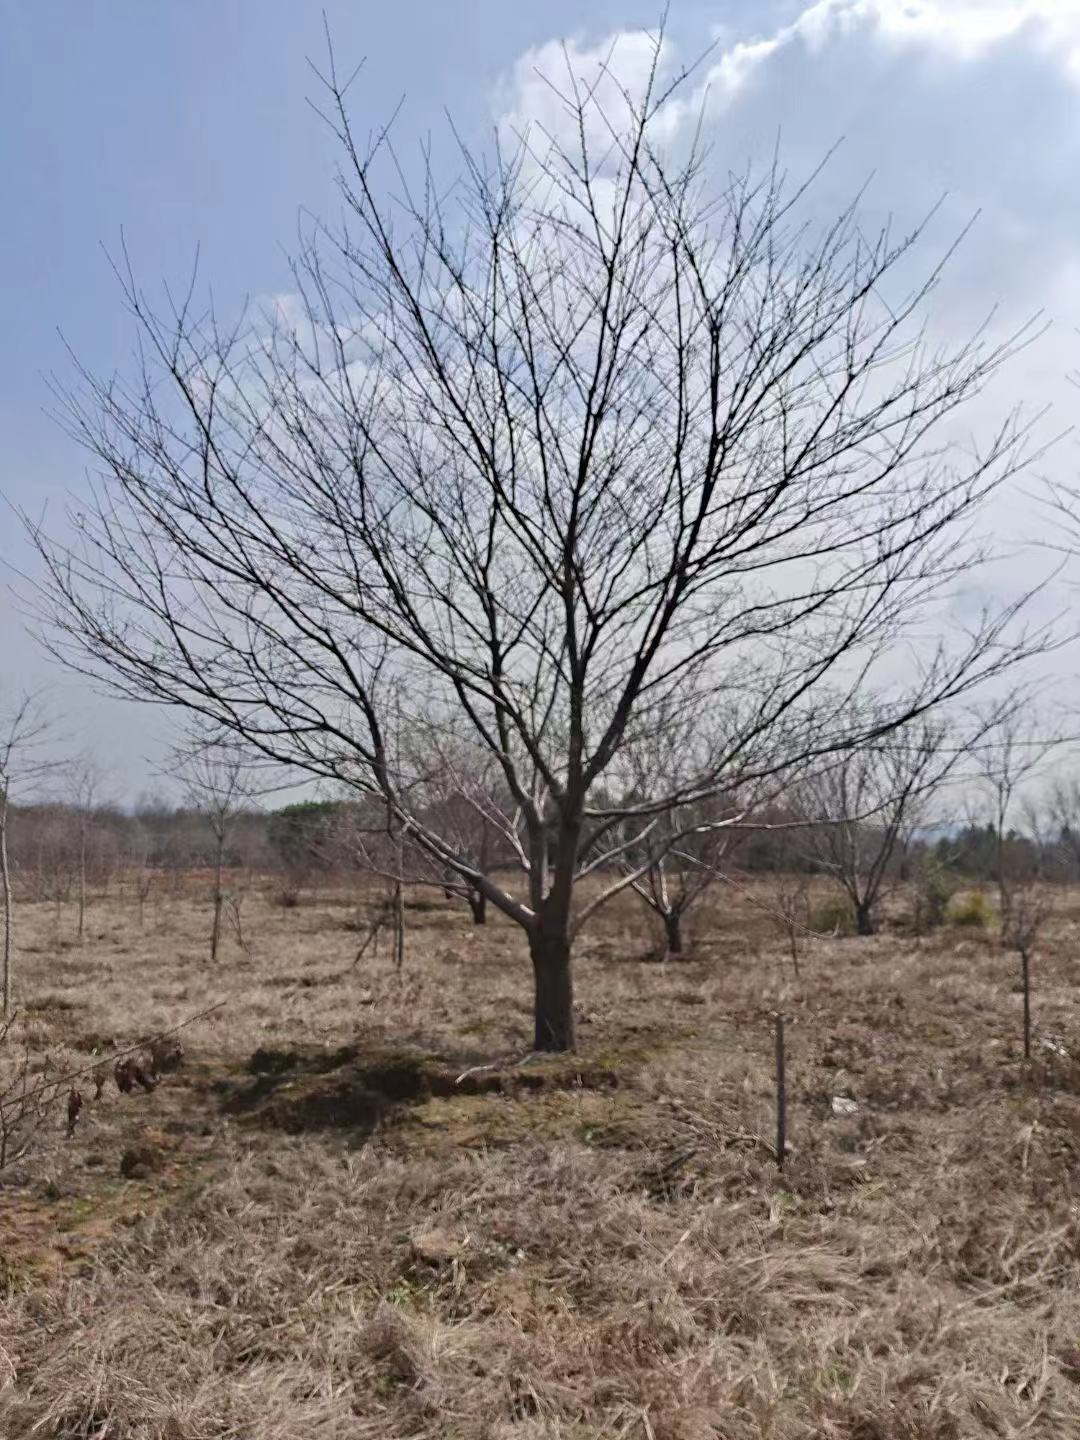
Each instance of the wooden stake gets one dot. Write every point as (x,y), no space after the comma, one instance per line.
(781,1095)
(399,926)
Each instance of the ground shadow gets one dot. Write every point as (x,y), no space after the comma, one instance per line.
(358,1088)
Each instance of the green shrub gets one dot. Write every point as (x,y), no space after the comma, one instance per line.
(833,917)
(972,910)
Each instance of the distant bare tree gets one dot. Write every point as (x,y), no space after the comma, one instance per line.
(461,794)
(1062,804)
(864,810)
(83,778)
(217,781)
(678,862)
(589,440)
(1012,749)
(142,871)
(1030,898)
(24,729)
(463,816)
(672,863)
(790,894)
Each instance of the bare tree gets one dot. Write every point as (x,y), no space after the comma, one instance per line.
(461,796)
(23,731)
(1030,896)
(790,895)
(83,783)
(674,862)
(217,780)
(779,849)
(864,810)
(1013,748)
(461,817)
(591,440)
(677,863)
(1062,804)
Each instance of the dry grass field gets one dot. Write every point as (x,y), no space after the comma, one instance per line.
(334,1225)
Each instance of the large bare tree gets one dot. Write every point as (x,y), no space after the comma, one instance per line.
(561,443)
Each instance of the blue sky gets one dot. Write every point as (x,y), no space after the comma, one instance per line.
(188,125)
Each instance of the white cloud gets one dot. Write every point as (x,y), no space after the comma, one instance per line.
(615,74)
(964,29)
(957,30)
(992,119)
(974,99)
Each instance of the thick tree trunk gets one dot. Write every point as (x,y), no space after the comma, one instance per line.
(549,944)
(673,940)
(864,920)
(478,905)
(554,1009)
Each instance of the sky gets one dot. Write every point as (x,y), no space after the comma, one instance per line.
(188,128)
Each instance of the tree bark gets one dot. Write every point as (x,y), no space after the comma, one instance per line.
(673,939)
(864,920)
(478,905)
(549,949)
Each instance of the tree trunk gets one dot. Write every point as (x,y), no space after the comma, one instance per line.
(864,920)
(478,905)
(554,1008)
(5,877)
(673,941)
(399,927)
(793,941)
(549,943)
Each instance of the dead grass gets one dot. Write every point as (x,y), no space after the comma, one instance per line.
(333,1238)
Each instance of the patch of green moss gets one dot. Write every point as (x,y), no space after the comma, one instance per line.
(479,1027)
(608,1119)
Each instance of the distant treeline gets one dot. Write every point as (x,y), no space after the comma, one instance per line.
(320,838)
